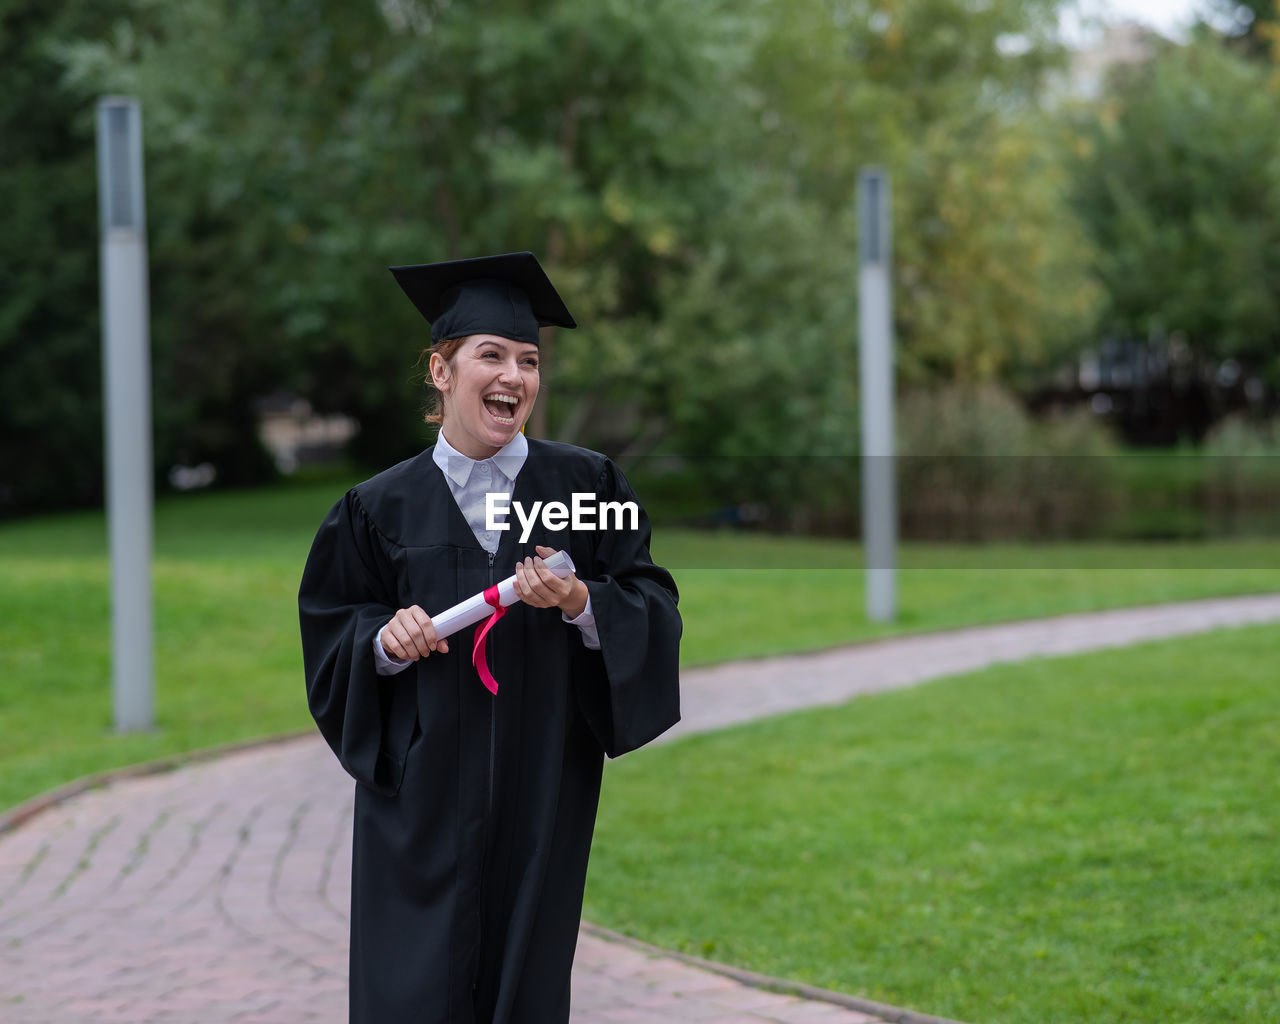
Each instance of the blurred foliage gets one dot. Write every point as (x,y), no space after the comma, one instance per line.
(1179,184)
(1252,26)
(975,466)
(1242,479)
(686,172)
(249,212)
(51,384)
(990,267)
(1243,437)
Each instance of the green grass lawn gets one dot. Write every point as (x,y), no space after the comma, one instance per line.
(229,668)
(1090,839)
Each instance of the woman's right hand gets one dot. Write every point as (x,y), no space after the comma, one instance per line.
(410,635)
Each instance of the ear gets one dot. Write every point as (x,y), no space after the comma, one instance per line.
(440,376)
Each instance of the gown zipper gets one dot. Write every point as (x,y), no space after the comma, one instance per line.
(493,710)
(493,718)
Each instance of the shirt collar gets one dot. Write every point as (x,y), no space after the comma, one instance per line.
(508,460)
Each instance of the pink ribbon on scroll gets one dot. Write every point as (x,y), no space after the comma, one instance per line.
(482,631)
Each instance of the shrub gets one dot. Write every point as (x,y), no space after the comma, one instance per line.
(1242,475)
(976,466)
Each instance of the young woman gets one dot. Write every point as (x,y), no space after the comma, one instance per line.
(474,810)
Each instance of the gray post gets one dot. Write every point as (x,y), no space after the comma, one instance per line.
(126,381)
(875,368)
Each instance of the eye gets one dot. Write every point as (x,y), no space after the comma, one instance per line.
(531,363)
(489,354)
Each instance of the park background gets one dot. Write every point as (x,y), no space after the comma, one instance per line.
(1087,311)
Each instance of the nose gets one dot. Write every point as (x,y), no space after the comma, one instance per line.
(510,373)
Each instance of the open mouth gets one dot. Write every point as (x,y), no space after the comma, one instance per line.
(502,407)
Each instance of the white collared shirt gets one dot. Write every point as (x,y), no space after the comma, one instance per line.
(469,482)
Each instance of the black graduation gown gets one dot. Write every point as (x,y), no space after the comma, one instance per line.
(474,813)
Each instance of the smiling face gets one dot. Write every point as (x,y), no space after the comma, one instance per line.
(487,391)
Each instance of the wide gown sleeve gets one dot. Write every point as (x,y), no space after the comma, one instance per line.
(347,594)
(633,694)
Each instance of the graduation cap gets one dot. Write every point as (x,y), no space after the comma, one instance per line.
(508,295)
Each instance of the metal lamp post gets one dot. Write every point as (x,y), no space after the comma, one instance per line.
(875,368)
(126,363)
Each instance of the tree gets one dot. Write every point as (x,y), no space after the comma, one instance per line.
(990,263)
(305,146)
(239,102)
(1252,26)
(51,387)
(1178,184)
(685,170)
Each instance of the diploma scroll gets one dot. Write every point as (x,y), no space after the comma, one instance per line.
(474,608)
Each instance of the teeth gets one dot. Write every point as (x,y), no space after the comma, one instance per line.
(502,399)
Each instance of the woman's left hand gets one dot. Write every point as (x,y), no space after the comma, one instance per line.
(538,586)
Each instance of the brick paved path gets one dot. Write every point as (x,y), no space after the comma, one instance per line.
(219,891)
